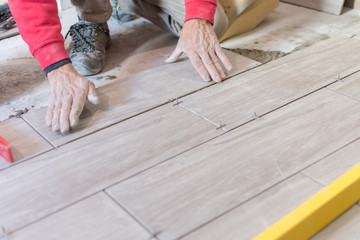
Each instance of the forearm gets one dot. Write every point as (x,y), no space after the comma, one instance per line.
(40,27)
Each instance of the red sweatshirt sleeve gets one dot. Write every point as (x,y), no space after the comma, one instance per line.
(40,27)
(204,9)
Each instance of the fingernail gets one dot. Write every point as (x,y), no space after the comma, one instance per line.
(93,99)
(73,123)
(55,128)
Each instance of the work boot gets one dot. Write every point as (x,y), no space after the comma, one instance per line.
(5,13)
(119,15)
(87,48)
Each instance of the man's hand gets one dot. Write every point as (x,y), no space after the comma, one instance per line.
(198,40)
(69,91)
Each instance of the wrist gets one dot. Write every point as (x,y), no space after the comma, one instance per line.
(56,65)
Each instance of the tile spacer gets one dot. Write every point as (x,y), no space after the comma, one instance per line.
(256,116)
(4,233)
(176,102)
(5,151)
(338,78)
(155,234)
(220,125)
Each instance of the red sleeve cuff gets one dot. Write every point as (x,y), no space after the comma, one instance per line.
(50,54)
(204,9)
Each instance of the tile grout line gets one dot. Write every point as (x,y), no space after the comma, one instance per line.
(26,159)
(220,126)
(154,233)
(313,179)
(301,97)
(55,212)
(342,93)
(39,133)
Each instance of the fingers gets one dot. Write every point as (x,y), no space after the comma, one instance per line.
(210,67)
(55,123)
(199,66)
(223,58)
(176,54)
(92,96)
(76,109)
(64,115)
(218,66)
(49,113)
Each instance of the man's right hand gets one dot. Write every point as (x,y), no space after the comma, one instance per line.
(68,93)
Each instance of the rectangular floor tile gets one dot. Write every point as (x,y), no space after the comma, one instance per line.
(256,215)
(24,141)
(53,180)
(334,166)
(95,218)
(277,83)
(344,227)
(199,185)
(133,95)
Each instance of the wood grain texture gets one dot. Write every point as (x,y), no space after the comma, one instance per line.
(23,140)
(95,218)
(54,180)
(256,215)
(330,6)
(329,169)
(275,84)
(134,95)
(344,227)
(197,186)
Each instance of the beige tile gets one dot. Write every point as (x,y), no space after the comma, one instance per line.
(277,83)
(197,186)
(23,140)
(344,227)
(47,183)
(259,213)
(334,166)
(133,95)
(95,218)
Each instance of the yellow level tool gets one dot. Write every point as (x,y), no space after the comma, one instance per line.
(317,212)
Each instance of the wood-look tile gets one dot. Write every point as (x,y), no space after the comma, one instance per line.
(344,227)
(134,95)
(197,186)
(349,86)
(277,83)
(53,180)
(24,141)
(256,215)
(330,6)
(95,218)
(334,166)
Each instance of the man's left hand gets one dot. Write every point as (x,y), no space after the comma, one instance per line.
(198,40)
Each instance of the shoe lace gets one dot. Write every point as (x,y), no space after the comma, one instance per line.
(84,43)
